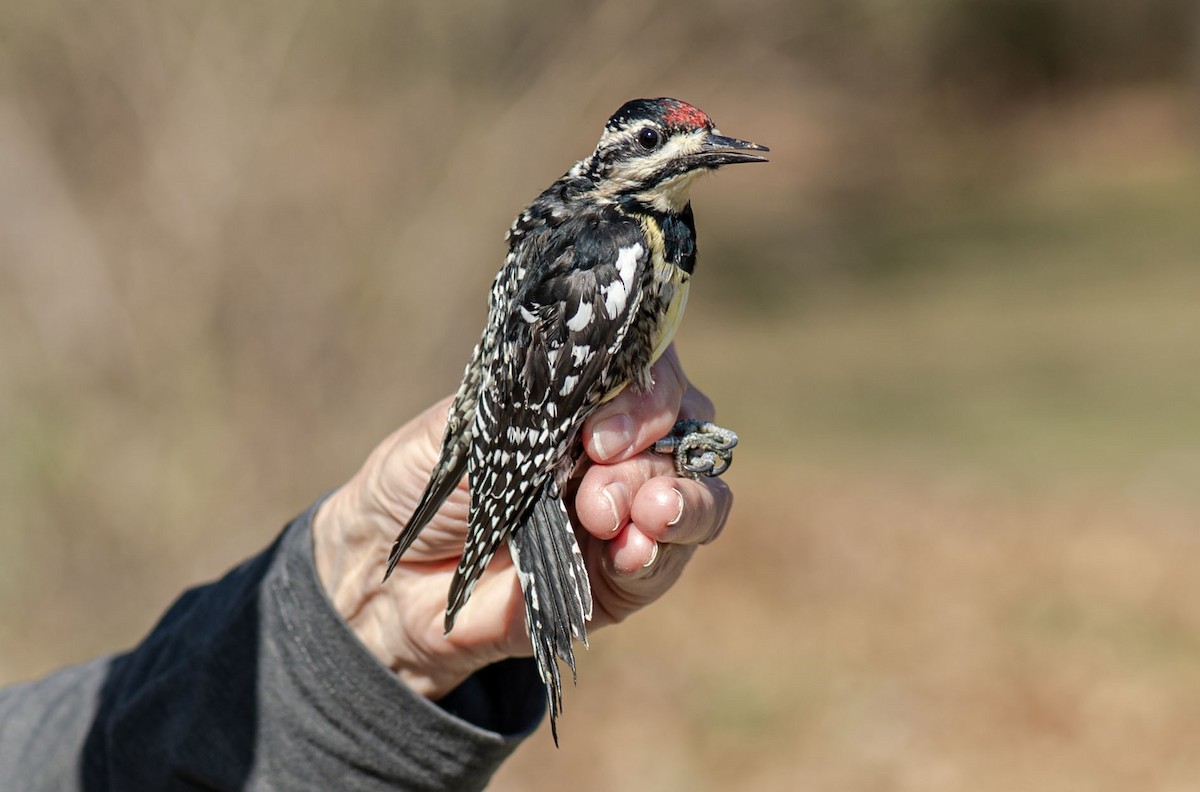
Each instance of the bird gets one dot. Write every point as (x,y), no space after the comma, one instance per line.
(589,296)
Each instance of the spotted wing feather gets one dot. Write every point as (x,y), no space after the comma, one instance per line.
(451,465)
(573,310)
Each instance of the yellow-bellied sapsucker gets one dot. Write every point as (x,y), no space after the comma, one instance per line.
(589,296)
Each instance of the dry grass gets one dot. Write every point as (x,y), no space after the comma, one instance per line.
(238,248)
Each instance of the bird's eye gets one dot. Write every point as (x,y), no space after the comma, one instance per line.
(649,138)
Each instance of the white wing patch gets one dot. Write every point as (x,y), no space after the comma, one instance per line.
(627,260)
(581,318)
(616,294)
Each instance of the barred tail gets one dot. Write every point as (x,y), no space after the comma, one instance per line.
(451,464)
(558,595)
(445,478)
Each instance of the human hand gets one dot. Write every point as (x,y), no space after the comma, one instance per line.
(636,522)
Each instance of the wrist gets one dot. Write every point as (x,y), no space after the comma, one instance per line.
(393,620)
(338,554)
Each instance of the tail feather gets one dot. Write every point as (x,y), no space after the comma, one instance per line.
(558,594)
(451,464)
(445,479)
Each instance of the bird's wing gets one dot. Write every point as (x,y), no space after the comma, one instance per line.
(575,307)
(460,421)
(451,464)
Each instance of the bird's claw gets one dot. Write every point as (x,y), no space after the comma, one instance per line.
(700,448)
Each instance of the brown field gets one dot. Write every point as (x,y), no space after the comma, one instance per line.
(957,335)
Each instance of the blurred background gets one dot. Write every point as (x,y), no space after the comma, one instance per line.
(954,320)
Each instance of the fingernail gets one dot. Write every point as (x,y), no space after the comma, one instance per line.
(612,436)
(679,511)
(617,496)
(653,557)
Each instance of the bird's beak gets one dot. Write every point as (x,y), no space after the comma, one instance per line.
(717,150)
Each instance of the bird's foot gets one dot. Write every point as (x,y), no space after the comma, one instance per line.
(700,448)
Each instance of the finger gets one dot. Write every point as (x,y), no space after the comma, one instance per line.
(635,556)
(632,421)
(682,511)
(631,552)
(606,493)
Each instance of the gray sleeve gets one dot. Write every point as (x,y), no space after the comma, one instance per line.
(254,682)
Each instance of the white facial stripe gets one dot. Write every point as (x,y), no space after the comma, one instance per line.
(670,196)
(677,145)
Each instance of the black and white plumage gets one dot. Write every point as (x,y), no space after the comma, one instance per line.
(589,296)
